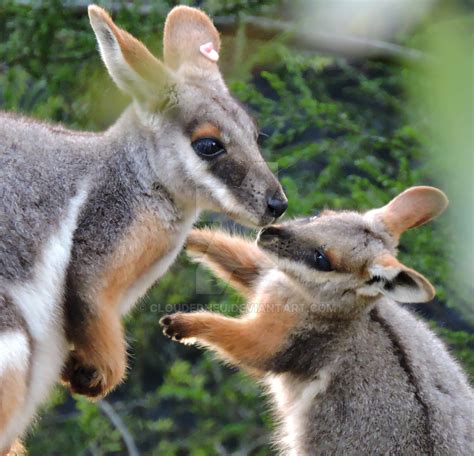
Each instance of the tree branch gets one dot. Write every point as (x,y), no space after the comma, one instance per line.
(262,28)
(317,41)
(115,419)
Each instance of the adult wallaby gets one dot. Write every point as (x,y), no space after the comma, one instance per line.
(90,221)
(350,371)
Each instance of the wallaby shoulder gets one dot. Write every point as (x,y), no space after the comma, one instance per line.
(41,168)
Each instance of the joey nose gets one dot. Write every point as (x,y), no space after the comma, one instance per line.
(276,206)
(269,232)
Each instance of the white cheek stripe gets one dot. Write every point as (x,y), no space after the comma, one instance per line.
(197,169)
(14,351)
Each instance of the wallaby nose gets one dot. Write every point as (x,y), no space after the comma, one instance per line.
(276,206)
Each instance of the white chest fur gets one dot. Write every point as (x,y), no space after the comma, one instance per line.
(294,398)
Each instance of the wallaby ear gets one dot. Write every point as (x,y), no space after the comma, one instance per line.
(395,280)
(190,37)
(412,208)
(131,65)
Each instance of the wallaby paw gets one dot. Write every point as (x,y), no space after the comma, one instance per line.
(88,380)
(177,326)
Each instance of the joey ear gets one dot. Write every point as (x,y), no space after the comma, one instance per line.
(397,281)
(190,37)
(412,208)
(131,65)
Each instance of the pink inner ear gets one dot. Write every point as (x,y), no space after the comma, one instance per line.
(208,51)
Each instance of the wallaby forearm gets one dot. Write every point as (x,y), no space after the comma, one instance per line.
(250,341)
(238,261)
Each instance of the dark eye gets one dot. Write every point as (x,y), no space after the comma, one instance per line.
(261,138)
(208,148)
(321,263)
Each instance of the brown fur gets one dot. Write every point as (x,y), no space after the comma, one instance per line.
(235,260)
(102,344)
(206,130)
(99,356)
(251,340)
(144,243)
(254,338)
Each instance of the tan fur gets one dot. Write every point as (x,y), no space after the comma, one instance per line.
(13,389)
(102,348)
(206,130)
(102,345)
(412,208)
(144,243)
(185,30)
(250,340)
(16,450)
(133,50)
(233,259)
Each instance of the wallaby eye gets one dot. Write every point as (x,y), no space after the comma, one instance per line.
(320,261)
(208,148)
(261,137)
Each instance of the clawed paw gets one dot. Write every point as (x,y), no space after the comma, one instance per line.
(88,380)
(176,327)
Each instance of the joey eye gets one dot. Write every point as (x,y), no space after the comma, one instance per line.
(208,148)
(320,261)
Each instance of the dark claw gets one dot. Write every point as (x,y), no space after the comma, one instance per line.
(82,379)
(165,321)
(172,328)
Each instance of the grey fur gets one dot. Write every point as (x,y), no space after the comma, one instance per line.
(353,373)
(393,387)
(144,163)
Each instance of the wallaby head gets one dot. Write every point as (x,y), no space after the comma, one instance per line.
(204,143)
(347,258)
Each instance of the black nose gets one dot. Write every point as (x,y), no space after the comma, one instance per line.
(276,206)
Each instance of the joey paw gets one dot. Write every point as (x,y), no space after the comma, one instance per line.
(175,326)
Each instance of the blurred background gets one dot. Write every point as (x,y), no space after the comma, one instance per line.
(356,100)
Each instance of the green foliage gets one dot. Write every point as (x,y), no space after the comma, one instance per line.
(340,136)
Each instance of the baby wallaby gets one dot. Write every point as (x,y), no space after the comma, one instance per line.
(349,370)
(89,221)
